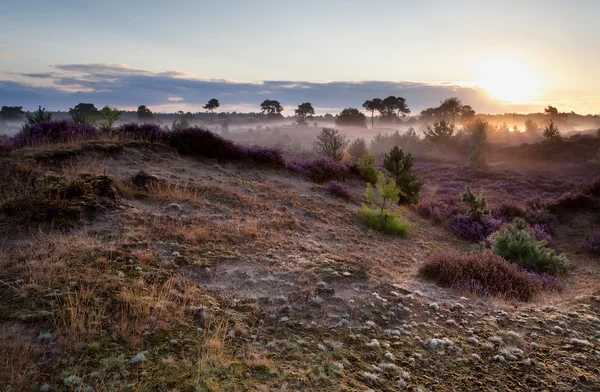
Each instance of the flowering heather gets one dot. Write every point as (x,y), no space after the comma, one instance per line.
(592,243)
(149,132)
(55,131)
(440,210)
(482,273)
(6,144)
(338,189)
(575,198)
(319,169)
(469,227)
(266,155)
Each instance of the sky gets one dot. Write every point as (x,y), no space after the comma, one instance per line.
(497,56)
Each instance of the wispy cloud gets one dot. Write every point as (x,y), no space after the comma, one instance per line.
(123,86)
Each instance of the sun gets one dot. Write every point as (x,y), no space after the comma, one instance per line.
(508,80)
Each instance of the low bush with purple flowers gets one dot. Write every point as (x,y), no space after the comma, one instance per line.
(485,274)
(319,169)
(592,243)
(338,189)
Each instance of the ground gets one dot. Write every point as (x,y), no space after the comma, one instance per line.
(184,274)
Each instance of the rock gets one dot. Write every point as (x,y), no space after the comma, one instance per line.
(389,356)
(374,343)
(173,207)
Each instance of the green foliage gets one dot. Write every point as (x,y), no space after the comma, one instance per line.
(400,168)
(331,143)
(38,116)
(305,109)
(81,118)
(144,114)
(388,222)
(111,116)
(441,132)
(516,243)
(387,193)
(367,169)
(552,133)
(476,203)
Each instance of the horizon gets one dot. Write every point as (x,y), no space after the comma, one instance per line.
(177,57)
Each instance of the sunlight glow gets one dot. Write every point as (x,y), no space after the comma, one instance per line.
(508,80)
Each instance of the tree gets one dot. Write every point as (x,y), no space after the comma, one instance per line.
(331,143)
(400,168)
(551,111)
(390,105)
(38,116)
(357,148)
(144,114)
(441,132)
(371,105)
(451,107)
(11,113)
(478,132)
(531,126)
(211,105)
(552,133)
(351,118)
(304,109)
(85,113)
(111,115)
(388,192)
(271,108)
(466,113)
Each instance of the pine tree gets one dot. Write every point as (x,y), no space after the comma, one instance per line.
(400,168)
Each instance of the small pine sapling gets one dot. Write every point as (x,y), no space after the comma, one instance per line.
(400,168)
(475,203)
(367,169)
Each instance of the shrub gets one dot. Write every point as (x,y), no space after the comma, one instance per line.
(475,203)
(400,168)
(37,117)
(441,132)
(389,222)
(6,144)
(473,228)
(377,214)
(148,132)
(366,168)
(482,273)
(477,155)
(319,169)
(351,118)
(552,133)
(56,131)
(592,243)
(358,148)
(516,242)
(338,189)
(440,210)
(331,144)
(264,155)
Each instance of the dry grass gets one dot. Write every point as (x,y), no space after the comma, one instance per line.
(17,356)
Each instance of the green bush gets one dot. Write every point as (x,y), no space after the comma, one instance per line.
(389,222)
(516,243)
(377,214)
(367,169)
(400,168)
(475,203)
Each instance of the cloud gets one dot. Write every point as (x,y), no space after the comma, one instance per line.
(126,87)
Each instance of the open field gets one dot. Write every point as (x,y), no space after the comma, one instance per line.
(129,266)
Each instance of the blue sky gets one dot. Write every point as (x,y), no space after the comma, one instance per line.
(181,53)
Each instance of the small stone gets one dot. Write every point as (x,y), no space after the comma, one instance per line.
(434,306)
(498,358)
(389,356)
(476,358)
(373,343)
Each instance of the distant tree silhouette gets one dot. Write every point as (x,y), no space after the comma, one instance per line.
(271,108)
(111,115)
(305,109)
(451,107)
(144,114)
(351,117)
(390,105)
(85,113)
(211,105)
(11,113)
(552,133)
(531,126)
(466,113)
(551,111)
(441,132)
(371,105)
